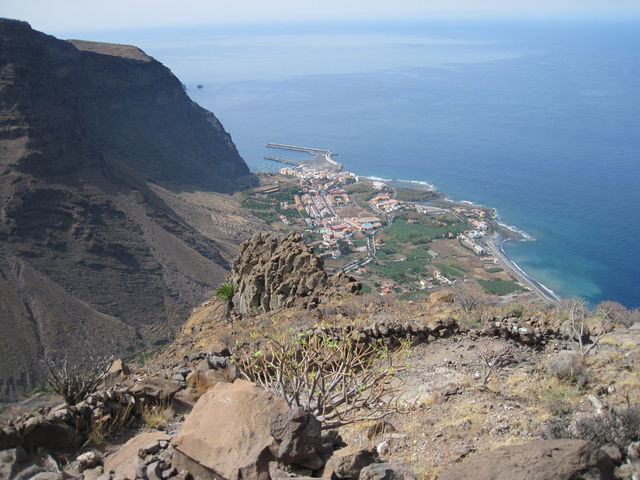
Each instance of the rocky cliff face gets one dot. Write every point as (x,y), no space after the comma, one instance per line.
(270,273)
(91,260)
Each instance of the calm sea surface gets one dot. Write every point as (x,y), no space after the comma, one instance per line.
(539,120)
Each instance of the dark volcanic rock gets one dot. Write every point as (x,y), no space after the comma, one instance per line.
(297,434)
(271,273)
(91,260)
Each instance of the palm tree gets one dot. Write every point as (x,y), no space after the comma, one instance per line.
(225,293)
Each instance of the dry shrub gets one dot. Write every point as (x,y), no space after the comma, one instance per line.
(619,313)
(203,381)
(104,427)
(353,307)
(579,316)
(614,427)
(558,397)
(201,384)
(515,310)
(619,428)
(326,311)
(569,369)
(332,373)
(468,299)
(492,357)
(75,381)
(156,415)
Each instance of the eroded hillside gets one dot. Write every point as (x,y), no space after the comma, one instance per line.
(92,260)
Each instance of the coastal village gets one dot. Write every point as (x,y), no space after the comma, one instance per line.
(392,238)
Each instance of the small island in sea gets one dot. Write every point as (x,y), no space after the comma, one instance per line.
(399,237)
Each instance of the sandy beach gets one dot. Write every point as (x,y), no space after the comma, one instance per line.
(494,246)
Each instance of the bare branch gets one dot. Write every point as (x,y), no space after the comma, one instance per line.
(330,373)
(578,315)
(493,357)
(74,382)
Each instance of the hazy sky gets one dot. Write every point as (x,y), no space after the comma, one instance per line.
(70,15)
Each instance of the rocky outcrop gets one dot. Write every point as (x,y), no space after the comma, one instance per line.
(271,273)
(92,261)
(538,460)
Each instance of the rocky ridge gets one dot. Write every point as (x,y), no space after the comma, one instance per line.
(92,261)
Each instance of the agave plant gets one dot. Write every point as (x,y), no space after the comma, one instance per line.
(225,293)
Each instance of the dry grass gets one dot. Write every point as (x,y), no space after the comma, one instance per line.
(157,415)
(106,426)
(424,470)
(200,384)
(558,397)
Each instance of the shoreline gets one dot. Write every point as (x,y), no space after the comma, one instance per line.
(495,243)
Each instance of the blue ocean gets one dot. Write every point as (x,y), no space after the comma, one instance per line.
(539,119)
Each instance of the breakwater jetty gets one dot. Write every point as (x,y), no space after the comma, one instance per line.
(321,157)
(283,160)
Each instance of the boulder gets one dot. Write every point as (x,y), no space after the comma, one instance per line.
(156,389)
(537,460)
(125,461)
(386,471)
(633,452)
(526,333)
(203,381)
(185,400)
(227,434)
(9,438)
(94,473)
(54,436)
(297,434)
(39,475)
(347,462)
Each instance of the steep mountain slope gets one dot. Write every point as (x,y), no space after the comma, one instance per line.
(91,260)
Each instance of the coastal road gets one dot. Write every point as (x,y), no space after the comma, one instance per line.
(494,245)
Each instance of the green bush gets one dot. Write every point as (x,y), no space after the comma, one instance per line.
(225,292)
